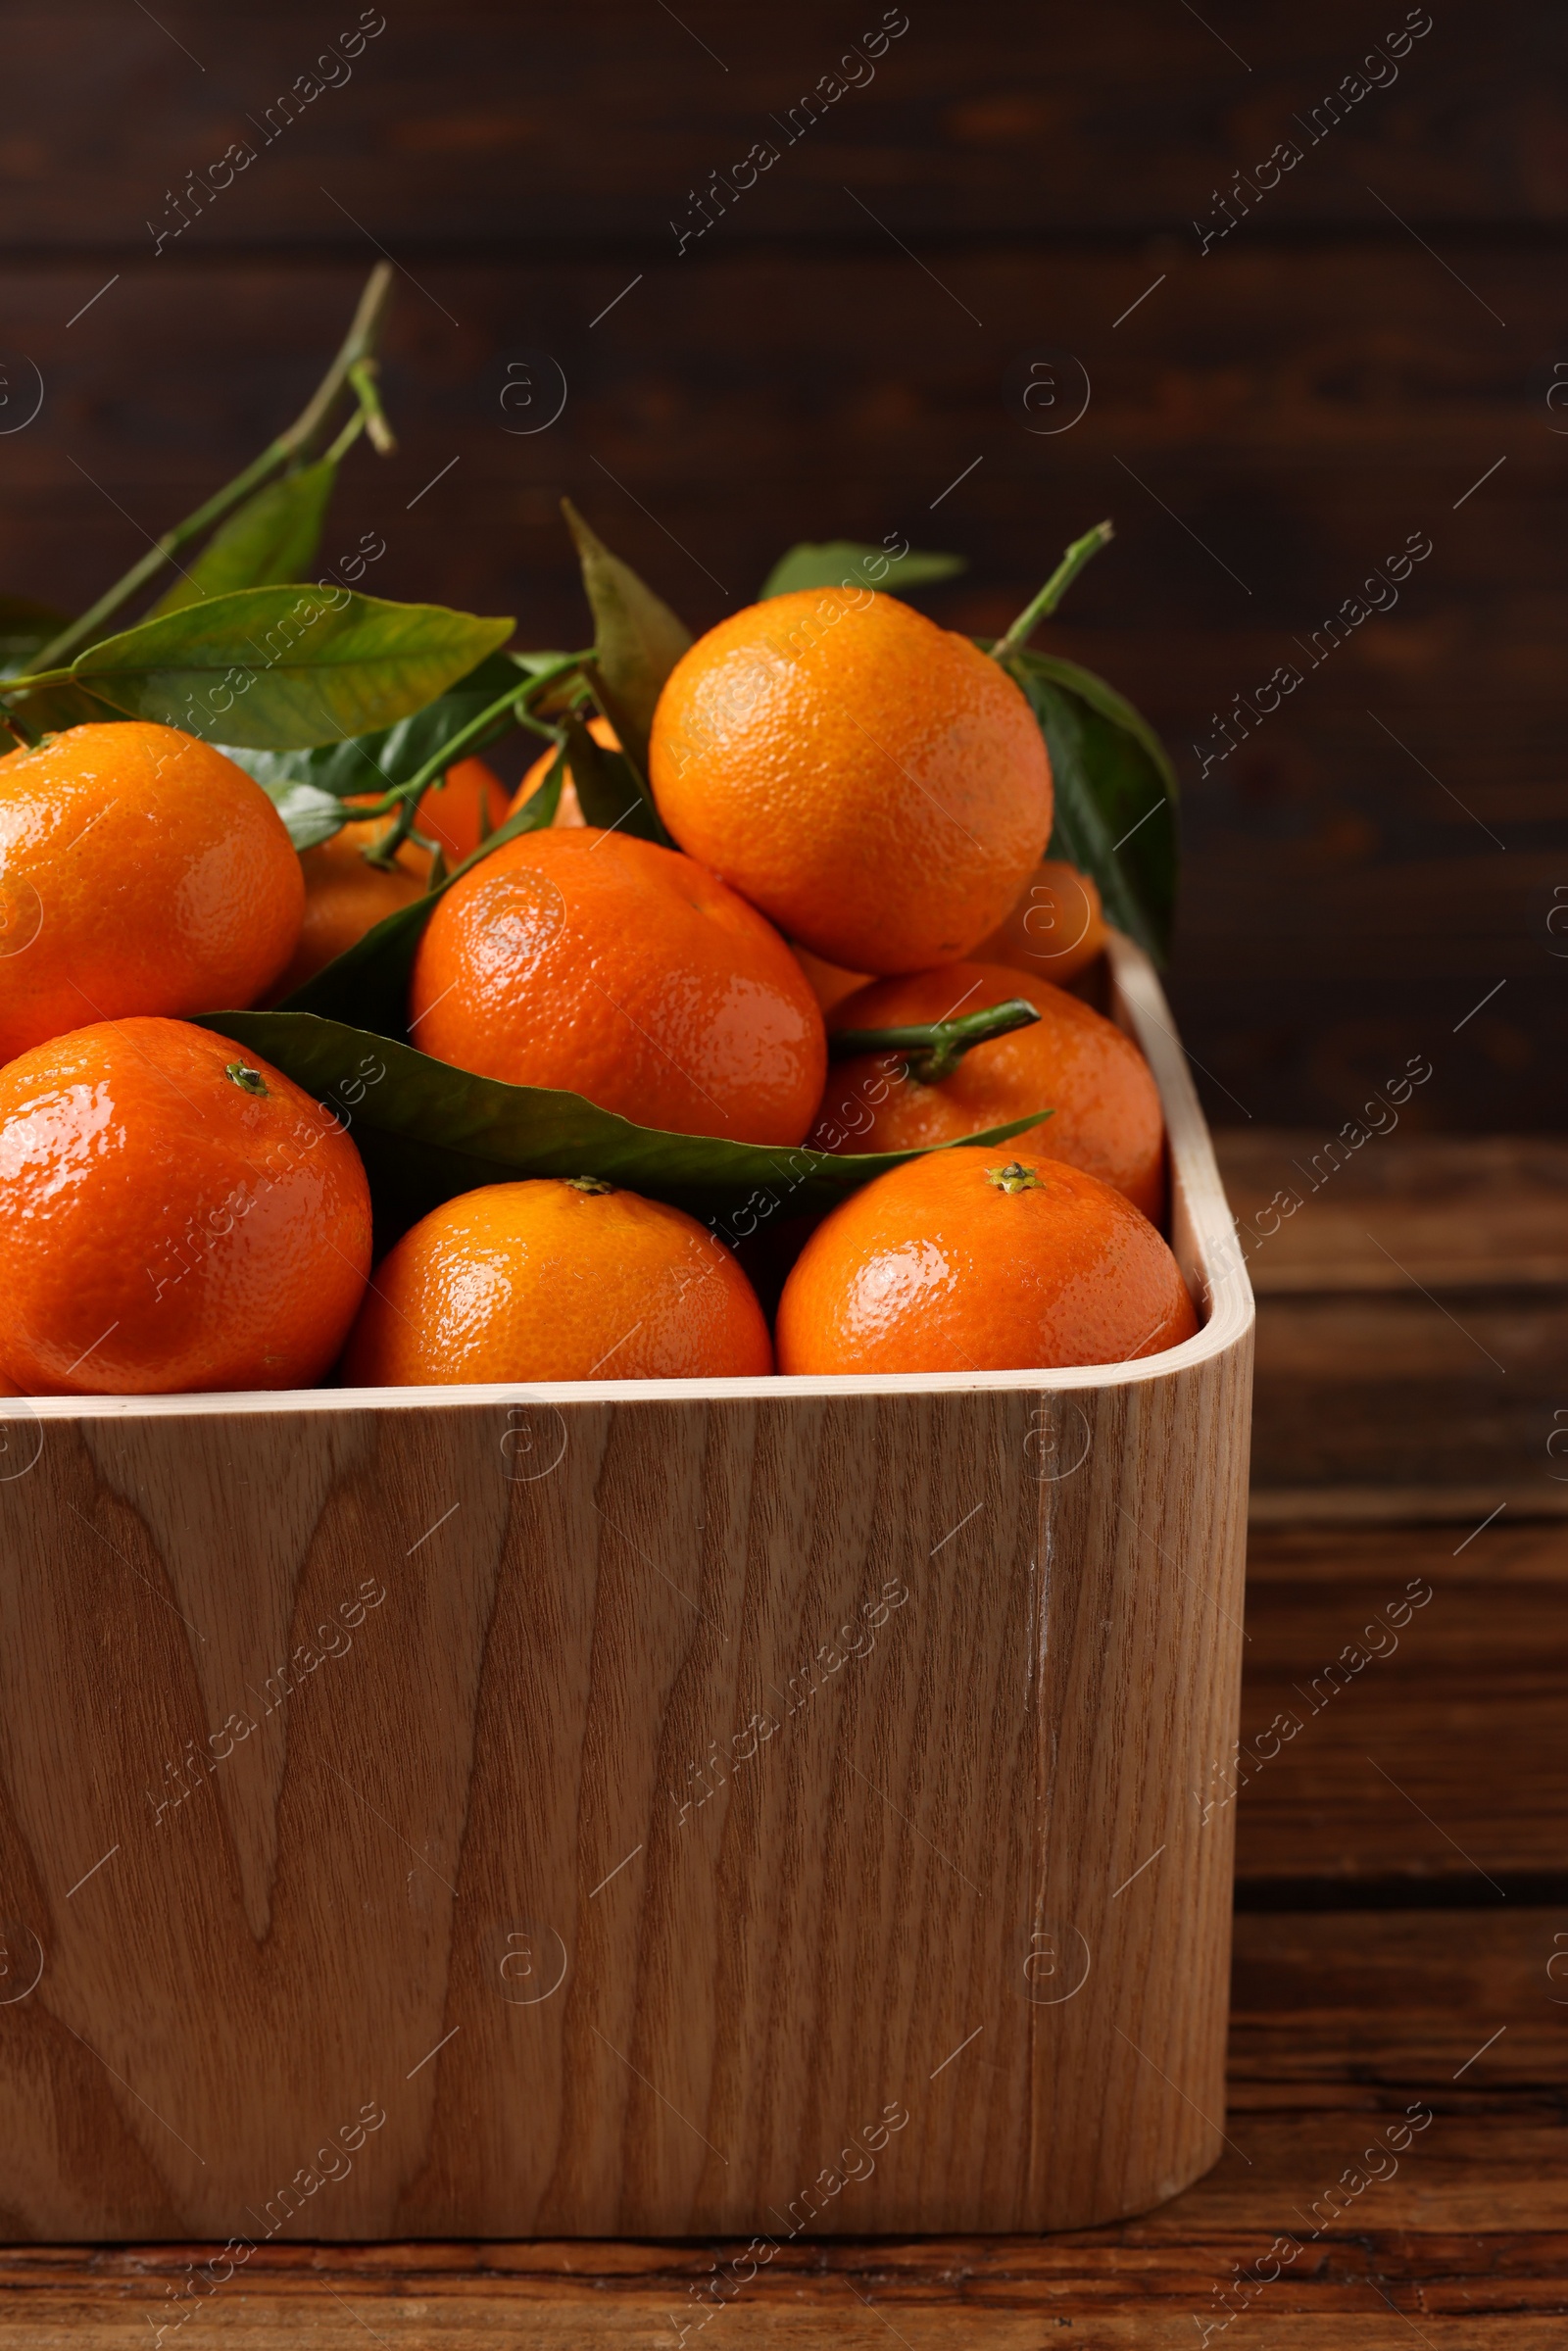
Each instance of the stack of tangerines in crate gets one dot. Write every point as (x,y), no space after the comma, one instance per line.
(327,1057)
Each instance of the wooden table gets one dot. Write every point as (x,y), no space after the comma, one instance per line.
(1402,1930)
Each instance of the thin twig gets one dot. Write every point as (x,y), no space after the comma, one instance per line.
(357,346)
(1054,589)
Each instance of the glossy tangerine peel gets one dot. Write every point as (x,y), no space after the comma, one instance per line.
(937,1267)
(140,873)
(620,970)
(875,784)
(164,1228)
(543,1280)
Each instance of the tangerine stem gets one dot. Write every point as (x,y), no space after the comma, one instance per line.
(358,345)
(362,377)
(936,1047)
(406,797)
(1081,552)
(346,438)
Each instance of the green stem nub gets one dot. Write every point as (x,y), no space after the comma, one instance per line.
(1015,1177)
(934,1048)
(1054,589)
(248,1080)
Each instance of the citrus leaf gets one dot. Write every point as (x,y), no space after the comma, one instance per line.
(53,710)
(637,639)
(428,1130)
(368,984)
(1116,794)
(311,816)
(374,762)
(273,536)
(847,564)
(1110,705)
(279,669)
(610,789)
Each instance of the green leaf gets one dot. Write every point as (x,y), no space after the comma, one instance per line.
(53,710)
(279,669)
(1116,794)
(609,790)
(847,564)
(311,816)
(273,536)
(368,984)
(637,639)
(1112,706)
(428,1130)
(374,762)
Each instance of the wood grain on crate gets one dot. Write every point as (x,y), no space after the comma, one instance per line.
(497,1776)
(1342,2025)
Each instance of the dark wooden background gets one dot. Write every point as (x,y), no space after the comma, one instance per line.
(1269,423)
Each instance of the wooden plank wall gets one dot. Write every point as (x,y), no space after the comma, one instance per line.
(1412,1327)
(1269,419)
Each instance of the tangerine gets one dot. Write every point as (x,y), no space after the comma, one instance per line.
(1072,1061)
(1057,929)
(174,1215)
(140,873)
(557,1280)
(594,961)
(876,785)
(981,1261)
(569,808)
(345,895)
(450,808)
(829,985)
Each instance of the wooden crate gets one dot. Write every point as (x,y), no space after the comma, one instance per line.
(656,1808)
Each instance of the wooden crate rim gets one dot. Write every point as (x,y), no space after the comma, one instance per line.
(1201,1231)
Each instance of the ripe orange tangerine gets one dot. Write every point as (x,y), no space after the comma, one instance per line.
(594,961)
(449,812)
(981,1261)
(1072,1061)
(557,1280)
(174,1215)
(140,873)
(875,784)
(1055,930)
(829,985)
(345,897)
(569,809)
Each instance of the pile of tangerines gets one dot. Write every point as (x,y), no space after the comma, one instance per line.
(855,946)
